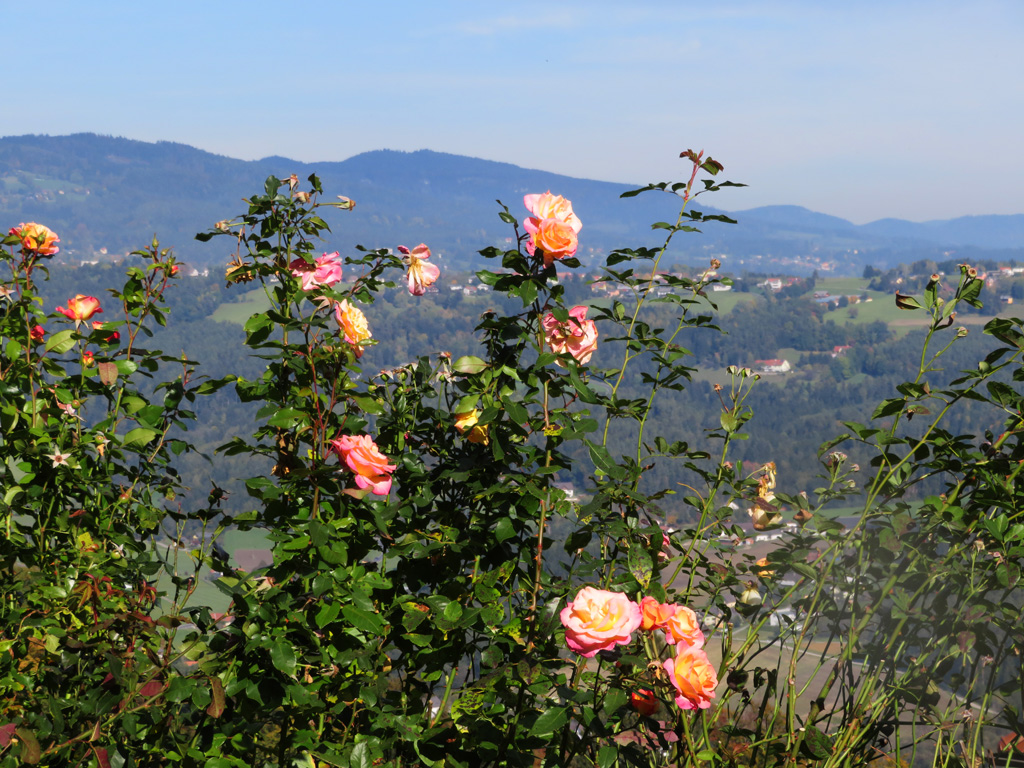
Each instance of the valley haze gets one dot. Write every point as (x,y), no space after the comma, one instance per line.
(108,196)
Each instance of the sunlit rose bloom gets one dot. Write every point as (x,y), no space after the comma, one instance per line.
(644,701)
(110,337)
(80,308)
(553,227)
(87,359)
(36,237)
(324,271)
(548,206)
(693,677)
(655,615)
(577,336)
(554,238)
(37,333)
(467,420)
(421,274)
(370,466)
(598,620)
(353,325)
(683,628)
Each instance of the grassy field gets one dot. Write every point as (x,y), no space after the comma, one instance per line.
(239,311)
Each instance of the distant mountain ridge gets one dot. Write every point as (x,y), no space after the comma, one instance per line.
(114,193)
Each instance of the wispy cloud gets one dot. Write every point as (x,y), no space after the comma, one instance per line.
(505,24)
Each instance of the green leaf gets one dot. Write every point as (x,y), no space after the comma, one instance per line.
(139,436)
(504,530)
(286,418)
(888,408)
(283,656)
(816,745)
(549,722)
(606,756)
(30,751)
(469,364)
(126,367)
(369,404)
(364,620)
(328,612)
(60,342)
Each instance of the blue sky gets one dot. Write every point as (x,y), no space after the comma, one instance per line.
(863,110)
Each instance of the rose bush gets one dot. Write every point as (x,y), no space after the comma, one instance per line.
(414,619)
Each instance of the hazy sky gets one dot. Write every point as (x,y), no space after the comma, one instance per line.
(863,110)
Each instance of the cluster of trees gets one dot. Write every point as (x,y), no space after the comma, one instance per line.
(794,412)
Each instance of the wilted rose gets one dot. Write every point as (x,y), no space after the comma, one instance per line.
(370,466)
(693,677)
(598,620)
(324,271)
(421,274)
(36,237)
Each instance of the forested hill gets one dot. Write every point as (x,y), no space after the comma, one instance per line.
(112,194)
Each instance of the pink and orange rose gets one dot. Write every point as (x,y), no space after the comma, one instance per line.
(324,271)
(553,228)
(693,677)
(655,615)
(683,628)
(577,336)
(37,333)
(421,274)
(369,465)
(36,237)
(598,620)
(353,325)
(80,308)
